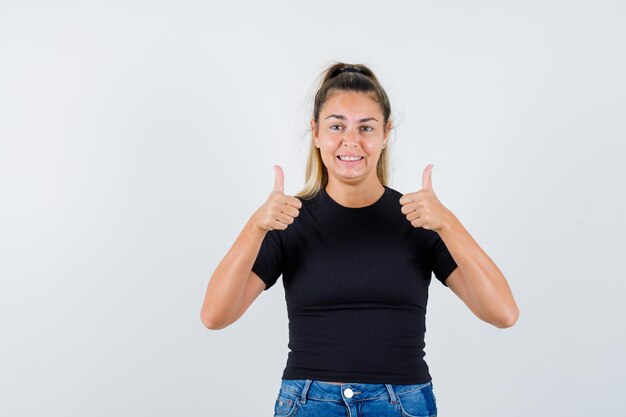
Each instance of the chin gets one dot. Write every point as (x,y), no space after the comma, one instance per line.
(350,178)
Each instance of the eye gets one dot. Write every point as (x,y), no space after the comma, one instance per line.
(331,128)
(368,127)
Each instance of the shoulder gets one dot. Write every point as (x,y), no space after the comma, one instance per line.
(394,195)
(310,202)
(394,192)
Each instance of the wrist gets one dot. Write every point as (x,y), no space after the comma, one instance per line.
(450,225)
(253,226)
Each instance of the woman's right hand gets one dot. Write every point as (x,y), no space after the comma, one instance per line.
(280,210)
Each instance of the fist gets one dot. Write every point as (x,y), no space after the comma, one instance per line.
(422,208)
(280,210)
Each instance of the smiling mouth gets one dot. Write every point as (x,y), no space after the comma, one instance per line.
(350,158)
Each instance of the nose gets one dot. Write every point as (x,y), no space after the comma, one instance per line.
(350,139)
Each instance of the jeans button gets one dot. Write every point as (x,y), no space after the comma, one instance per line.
(348,393)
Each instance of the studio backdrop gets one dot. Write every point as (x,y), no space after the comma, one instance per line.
(138,137)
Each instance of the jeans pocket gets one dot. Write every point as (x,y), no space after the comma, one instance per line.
(418,403)
(285,405)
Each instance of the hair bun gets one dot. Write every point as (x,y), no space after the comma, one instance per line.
(347,69)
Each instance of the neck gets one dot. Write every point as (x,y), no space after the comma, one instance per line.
(355,195)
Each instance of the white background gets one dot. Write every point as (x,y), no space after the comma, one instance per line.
(137,137)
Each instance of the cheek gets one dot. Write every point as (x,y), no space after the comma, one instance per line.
(327,151)
(372,147)
(329,146)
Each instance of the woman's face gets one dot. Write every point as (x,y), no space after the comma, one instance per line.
(350,124)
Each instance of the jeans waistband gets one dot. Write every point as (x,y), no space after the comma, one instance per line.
(303,389)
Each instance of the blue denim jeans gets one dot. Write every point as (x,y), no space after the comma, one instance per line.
(310,398)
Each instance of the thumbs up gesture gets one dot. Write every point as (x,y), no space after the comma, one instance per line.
(423,208)
(280,210)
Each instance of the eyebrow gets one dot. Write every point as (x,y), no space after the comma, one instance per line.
(339,116)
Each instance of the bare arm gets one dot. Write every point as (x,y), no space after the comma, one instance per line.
(233,285)
(478,281)
(225,291)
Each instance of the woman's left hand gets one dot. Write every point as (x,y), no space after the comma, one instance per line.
(423,209)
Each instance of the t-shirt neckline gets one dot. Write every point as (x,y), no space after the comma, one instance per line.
(354,210)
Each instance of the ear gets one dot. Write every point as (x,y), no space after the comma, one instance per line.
(387,131)
(314,130)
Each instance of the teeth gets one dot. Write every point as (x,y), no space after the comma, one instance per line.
(350,158)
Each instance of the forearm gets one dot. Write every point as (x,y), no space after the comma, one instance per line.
(226,287)
(489,291)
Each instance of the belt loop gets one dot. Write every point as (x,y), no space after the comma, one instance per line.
(392,393)
(307,384)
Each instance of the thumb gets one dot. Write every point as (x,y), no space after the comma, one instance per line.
(426,180)
(279,179)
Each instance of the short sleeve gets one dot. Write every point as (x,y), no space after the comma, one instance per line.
(442,263)
(269,262)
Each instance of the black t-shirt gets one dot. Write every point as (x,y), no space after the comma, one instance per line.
(356,287)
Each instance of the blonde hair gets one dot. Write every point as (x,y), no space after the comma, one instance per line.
(344,77)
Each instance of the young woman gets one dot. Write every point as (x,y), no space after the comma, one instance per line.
(356,258)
